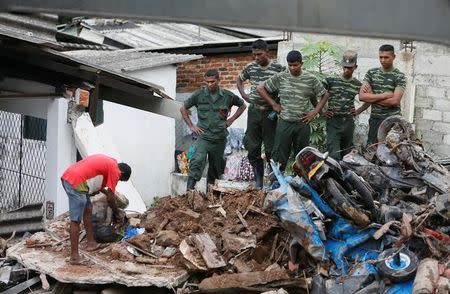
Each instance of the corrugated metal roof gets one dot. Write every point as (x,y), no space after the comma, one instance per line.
(26,219)
(40,25)
(150,35)
(41,29)
(129,60)
(258,33)
(29,37)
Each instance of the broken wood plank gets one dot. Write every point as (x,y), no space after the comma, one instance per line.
(383,230)
(258,210)
(274,246)
(241,218)
(191,255)
(190,213)
(405,229)
(40,245)
(222,211)
(51,244)
(238,281)
(163,224)
(214,206)
(247,210)
(208,250)
(140,250)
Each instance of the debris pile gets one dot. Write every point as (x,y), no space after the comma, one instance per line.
(394,184)
(225,233)
(376,222)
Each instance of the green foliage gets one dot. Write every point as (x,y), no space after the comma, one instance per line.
(318,133)
(321,59)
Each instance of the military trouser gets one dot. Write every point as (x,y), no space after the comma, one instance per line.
(340,130)
(213,150)
(374,124)
(260,129)
(289,136)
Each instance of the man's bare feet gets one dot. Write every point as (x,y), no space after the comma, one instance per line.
(94,246)
(80,261)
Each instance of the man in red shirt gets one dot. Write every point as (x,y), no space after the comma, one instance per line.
(87,177)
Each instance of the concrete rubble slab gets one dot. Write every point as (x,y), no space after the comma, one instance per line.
(245,282)
(55,264)
(53,261)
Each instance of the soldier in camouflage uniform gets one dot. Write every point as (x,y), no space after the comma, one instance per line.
(383,87)
(213,107)
(298,92)
(261,124)
(341,108)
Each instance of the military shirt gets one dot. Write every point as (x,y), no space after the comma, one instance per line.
(383,82)
(256,74)
(213,113)
(295,93)
(342,93)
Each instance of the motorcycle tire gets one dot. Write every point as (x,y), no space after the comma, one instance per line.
(389,122)
(342,203)
(365,192)
(403,272)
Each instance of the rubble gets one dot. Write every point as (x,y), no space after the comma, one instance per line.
(177,243)
(288,240)
(167,238)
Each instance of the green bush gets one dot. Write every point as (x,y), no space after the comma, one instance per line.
(321,59)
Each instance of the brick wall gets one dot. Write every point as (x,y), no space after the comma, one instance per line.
(432,104)
(190,74)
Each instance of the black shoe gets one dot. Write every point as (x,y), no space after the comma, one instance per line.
(191,183)
(258,171)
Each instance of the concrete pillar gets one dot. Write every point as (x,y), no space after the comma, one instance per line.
(61,153)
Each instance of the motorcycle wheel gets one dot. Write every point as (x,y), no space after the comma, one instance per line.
(389,122)
(341,202)
(402,272)
(365,192)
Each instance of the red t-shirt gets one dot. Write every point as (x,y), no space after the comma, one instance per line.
(91,167)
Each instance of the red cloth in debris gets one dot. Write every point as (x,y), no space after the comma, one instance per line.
(92,166)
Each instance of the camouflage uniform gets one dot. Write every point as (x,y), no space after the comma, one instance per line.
(341,126)
(212,111)
(295,93)
(382,82)
(260,128)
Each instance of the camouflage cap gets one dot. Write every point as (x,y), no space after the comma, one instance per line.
(349,58)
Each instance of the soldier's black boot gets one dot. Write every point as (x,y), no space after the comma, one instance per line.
(258,171)
(191,184)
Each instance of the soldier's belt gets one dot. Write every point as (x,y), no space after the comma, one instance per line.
(259,107)
(346,115)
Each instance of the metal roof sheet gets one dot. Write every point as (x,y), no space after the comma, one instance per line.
(129,60)
(157,34)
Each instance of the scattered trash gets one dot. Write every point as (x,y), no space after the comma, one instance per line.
(131,232)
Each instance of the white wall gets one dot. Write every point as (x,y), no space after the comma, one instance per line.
(146,141)
(60,148)
(61,153)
